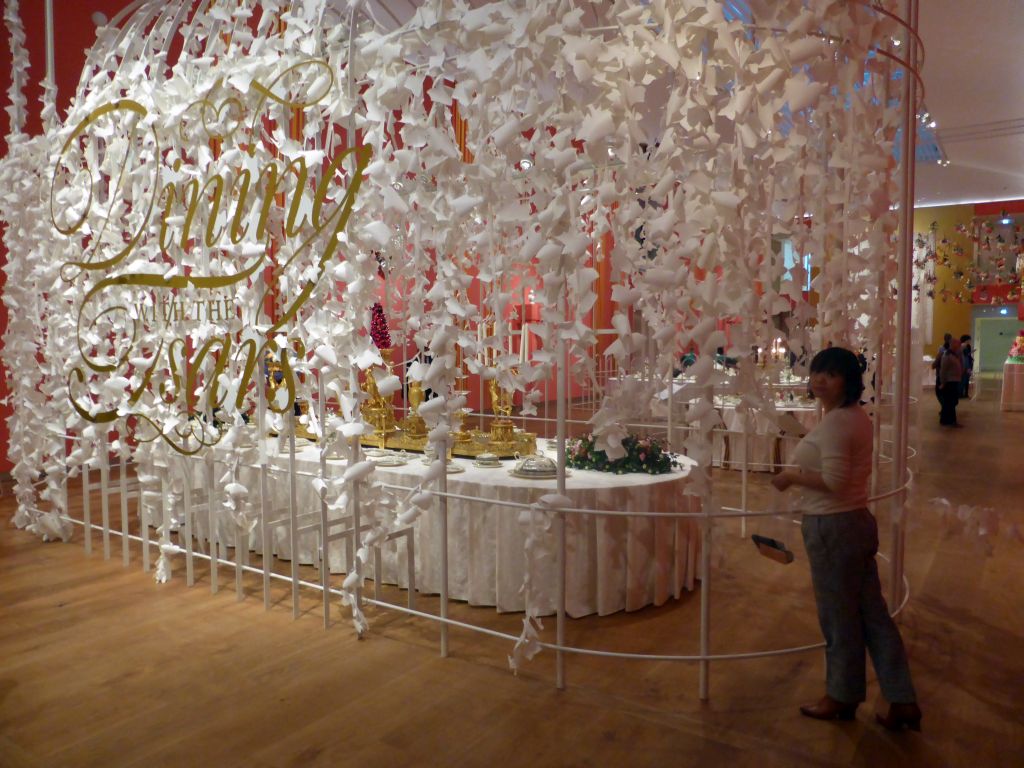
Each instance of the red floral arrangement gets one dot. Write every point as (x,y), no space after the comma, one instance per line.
(379,327)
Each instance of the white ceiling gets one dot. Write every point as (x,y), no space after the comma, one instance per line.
(974,89)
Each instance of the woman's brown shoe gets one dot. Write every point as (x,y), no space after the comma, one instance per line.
(900,715)
(830,709)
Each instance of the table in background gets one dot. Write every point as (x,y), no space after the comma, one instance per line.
(771,441)
(1012,396)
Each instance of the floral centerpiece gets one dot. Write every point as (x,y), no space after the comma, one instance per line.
(643,454)
(1016,354)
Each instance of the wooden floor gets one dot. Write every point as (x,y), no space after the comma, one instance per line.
(101,666)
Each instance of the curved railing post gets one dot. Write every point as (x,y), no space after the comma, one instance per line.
(903,297)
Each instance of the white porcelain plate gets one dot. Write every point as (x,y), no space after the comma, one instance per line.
(536,475)
(391,461)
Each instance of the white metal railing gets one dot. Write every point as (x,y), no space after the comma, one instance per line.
(559,647)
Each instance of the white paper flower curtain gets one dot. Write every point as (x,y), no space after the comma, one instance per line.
(194,213)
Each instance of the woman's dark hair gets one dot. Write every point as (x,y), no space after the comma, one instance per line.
(841,362)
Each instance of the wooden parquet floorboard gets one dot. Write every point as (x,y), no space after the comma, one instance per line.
(101,666)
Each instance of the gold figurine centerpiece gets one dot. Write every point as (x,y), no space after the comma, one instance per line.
(378,410)
(502,428)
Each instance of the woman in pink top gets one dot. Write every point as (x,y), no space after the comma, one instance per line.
(841,538)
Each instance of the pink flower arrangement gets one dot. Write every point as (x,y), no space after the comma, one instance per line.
(1017,348)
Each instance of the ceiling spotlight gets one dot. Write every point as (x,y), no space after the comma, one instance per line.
(897,42)
(526,164)
(397,186)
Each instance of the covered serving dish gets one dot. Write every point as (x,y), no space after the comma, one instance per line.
(536,466)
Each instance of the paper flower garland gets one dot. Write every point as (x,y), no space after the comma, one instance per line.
(715,139)
(19,69)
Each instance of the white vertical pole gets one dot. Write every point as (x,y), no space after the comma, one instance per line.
(353,458)
(325,562)
(87,505)
(188,517)
(123,488)
(481,330)
(293,510)
(354,448)
(744,479)
(51,74)
(562,396)
(211,509)
(143,530)
(881,365)
(65,495)
(524,338)
(901,424)
(547,395)
(241,547)
(266,532)
(880,374)
(671,402)
(705,589)
(442,484)
(105,493)
(561,408)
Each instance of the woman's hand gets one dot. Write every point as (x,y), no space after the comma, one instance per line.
(807,479)
(784,479)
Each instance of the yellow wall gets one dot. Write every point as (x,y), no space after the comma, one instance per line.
(948,316)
